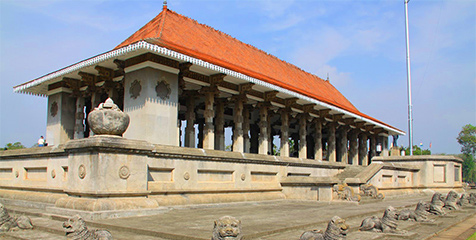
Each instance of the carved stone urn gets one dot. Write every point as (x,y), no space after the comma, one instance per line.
(108,119)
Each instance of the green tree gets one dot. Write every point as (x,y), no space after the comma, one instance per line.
(469,168)
(467,139)
(417,151)
(16,145)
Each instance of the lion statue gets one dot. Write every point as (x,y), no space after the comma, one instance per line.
(344,192)
(472,198)
(8,223)
(76,229)
(436,204)
(227,228)
(386,224)
(336,230)
(451,201)
(371,191)
(463,200)
(420,214)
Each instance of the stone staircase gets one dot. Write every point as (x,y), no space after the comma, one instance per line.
(349,172)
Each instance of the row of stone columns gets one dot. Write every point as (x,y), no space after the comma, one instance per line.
(343,143)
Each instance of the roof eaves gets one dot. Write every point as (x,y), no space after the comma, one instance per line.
(161,50)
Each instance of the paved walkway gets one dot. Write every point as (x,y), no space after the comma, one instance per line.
(461,231)
(272,220)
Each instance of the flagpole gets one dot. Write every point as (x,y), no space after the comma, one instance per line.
(409,82)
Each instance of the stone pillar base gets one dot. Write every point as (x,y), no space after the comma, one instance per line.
(395,151)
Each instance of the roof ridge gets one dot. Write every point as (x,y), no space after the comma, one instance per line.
(161,27)
(246,44)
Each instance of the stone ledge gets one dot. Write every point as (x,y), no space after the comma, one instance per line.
(419,158)
(114,143)
(309,181)
(49,151)
(185,191)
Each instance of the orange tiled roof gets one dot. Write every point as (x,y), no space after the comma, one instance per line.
(184,35)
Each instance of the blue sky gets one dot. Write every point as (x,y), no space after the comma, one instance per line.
(360,44)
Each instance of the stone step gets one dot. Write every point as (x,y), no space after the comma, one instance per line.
(349,172)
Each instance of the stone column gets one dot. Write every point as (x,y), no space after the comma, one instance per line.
(220,125)
(190,128)
(343,155)
(302,136)
(353,147)
(254,141)
(60,119)
(373,147)
(284,133)
(246,128)
(270,133)
(151,99)
(331,142)
(238,141)
(263,124)
(318,140)
(385,146)
(200,135)
(209,114)
(79,118)
(363,151)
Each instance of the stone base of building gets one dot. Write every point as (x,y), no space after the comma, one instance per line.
(109,176)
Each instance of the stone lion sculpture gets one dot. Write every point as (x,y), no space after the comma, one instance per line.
(436,204)
(420,214)
(463,200)
(386,224)
(227,228)
(76,229)
(472,198)
(9,223)
(371,191)
(336,230)
(344,192)
(451,201)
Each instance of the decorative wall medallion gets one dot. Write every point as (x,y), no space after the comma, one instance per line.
(82,171)
(243,177)
(54,109)
(17,174)
(186,176)
(53,173)
(163,89)
(124,172)
(135,89)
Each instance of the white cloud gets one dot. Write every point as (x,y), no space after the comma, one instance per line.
(273,8)
(289,21)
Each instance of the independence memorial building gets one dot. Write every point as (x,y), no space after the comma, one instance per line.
(182,84)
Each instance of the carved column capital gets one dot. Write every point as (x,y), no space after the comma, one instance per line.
(209,90)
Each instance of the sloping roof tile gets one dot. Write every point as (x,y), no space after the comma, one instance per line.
(182,34)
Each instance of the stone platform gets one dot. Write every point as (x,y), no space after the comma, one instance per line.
(277,220)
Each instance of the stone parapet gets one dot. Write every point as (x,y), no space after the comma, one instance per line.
(110,173)
(424,172)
